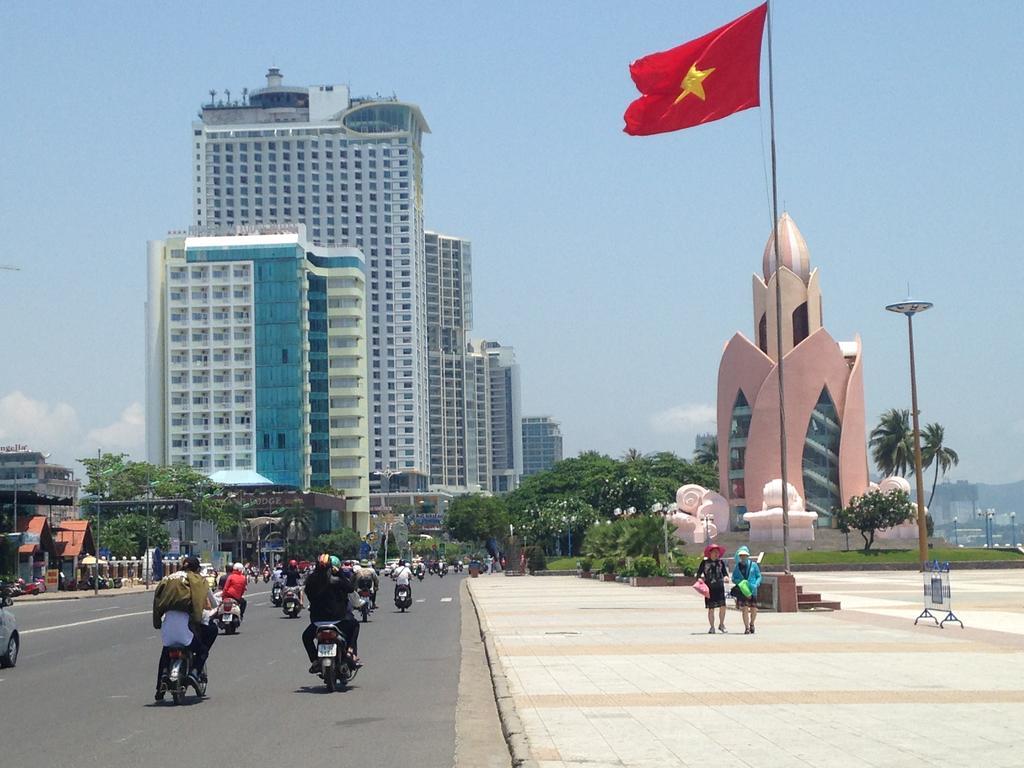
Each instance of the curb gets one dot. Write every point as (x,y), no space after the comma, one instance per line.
(30,599)
(511,725)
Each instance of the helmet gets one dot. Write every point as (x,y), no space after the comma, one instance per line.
(323,561)
(237,567)
(335,562)
(364,563)
(190,563)
(293,564)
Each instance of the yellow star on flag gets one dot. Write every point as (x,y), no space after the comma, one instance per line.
(693,83)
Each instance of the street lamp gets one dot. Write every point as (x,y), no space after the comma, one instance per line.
(1013,527)
(990,517)
(911,308)
(956,533)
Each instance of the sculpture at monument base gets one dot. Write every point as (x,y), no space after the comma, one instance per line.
(701,514)
(766,525)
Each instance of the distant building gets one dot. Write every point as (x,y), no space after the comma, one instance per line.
(351,170)
(256,359)
(28,471)
(495,406)
(454,453)
(702,441)
(542,444)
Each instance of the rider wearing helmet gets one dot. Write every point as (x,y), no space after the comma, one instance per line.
(328,591)
(235,586)
(366,578)
(403,577)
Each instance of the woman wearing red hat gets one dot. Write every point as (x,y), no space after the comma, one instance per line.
(713,572)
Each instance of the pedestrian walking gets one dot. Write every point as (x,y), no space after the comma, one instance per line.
(746,572)
(713,572)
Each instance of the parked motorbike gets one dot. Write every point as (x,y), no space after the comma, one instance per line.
(336,668)
(290,603)
(177,678)
(275,594)
(228,616)
(403,597)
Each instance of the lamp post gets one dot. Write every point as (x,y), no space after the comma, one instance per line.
(911,308)
(1013,527)
(989,527)
(956,533)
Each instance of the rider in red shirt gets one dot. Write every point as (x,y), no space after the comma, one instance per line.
(234,587)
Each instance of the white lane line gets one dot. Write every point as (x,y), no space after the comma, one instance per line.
(423,599)
(125,695)
(116,607)
(266,603)
(446,599)
(87,621)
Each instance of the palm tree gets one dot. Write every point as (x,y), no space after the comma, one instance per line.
(707,453)
(891,443)
(632,455)
(296,521)
(933,451)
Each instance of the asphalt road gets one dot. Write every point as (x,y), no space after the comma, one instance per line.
(82,693)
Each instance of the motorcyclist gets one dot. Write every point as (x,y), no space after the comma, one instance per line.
(235,586)
(403,577)
(292,577)
(366,578)
(328,591)
(278,575)
(189,628)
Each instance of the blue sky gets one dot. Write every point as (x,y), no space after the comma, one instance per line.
(617,266)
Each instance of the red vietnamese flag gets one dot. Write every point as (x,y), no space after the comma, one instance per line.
(703,80)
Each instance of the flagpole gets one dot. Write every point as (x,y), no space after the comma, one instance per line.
(778,305)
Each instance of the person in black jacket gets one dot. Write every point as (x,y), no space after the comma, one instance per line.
(328,590)
(714,573)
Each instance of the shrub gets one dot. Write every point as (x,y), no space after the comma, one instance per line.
(645,566)
(536,560)
(608,566)
(689,564)
(586,564)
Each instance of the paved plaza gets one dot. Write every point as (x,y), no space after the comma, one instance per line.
(602,674)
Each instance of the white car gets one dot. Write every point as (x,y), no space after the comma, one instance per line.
(9,640)
(389,567)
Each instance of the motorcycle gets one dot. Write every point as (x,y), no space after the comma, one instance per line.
(442,571)
(290,603)
(366,595)
(403,597)
(266,575)
(177,677)
(420,574)
(275,594)
(336,667)
(228,616)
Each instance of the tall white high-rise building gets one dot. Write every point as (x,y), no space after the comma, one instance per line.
(351,170)
(454,461)
(495,404)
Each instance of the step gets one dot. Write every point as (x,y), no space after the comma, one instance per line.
(808,597)
(819,605)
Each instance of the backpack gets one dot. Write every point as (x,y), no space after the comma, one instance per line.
(172,594)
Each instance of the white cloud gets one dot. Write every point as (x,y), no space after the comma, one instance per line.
(685,419)
(57,429)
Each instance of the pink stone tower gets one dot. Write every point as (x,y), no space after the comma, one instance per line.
(825,428)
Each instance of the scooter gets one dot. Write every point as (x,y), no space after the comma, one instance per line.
(336,667)
(177,677)
(290,603)
(229,616)
(366,595)
(275,594)
(403,597)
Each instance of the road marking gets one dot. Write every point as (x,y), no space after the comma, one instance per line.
(446,599)
(118,696)
(266,603)
(422,600)
(272,661)
(111,608)
(87,621)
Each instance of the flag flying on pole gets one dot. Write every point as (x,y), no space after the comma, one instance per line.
(703,80)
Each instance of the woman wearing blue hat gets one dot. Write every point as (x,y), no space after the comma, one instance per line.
(746,572)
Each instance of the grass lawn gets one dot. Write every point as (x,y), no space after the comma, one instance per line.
(562,563)
(950,554)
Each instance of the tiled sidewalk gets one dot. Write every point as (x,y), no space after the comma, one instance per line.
(608,675)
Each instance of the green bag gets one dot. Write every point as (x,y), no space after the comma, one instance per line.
(172,594)
(745,588)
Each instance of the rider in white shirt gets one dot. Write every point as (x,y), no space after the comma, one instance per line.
(403,577)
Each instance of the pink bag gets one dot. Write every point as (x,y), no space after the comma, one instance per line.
(702,588)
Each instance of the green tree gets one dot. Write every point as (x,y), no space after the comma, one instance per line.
(875,511)
(125,534)
(642,535)
(707,454)
(602,540)
(296,522)
(934,451)
(891,442)
(476,518)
